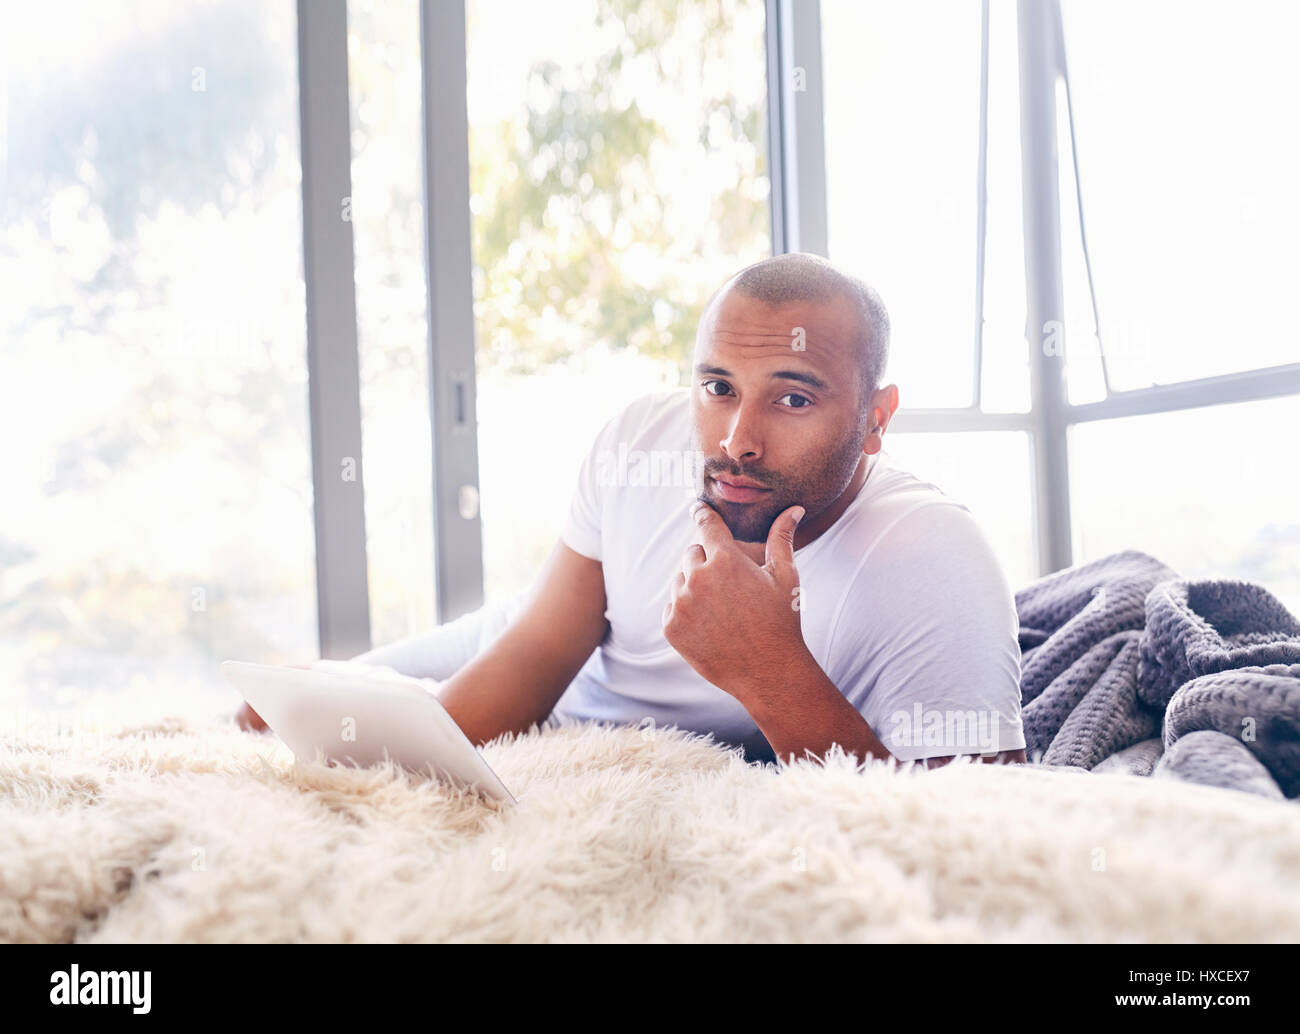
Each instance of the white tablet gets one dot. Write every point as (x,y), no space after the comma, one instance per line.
(361,714)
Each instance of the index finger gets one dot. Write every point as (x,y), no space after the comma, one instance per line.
(714,533)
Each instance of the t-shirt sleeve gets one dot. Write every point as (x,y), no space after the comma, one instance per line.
(581,531)
(927,642)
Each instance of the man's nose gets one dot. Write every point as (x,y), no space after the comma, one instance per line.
(743,443)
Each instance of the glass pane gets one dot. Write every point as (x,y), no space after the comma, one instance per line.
(1004,386)
(1189,166)
(155,374)
(1221,500)
(902,87)
(617,178)
(988,472)
(1076,339)
(387,214)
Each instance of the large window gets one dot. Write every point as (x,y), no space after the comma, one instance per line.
(1182,127)
(1188,166)
(1187,170)
(156,303)
(154,395)
(924,202)
(386,210)
(1211,491)
(617,178)
(900,177)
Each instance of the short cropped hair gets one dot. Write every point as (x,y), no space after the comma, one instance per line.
(804,277)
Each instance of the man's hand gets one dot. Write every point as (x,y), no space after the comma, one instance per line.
(248,719)
(734,621)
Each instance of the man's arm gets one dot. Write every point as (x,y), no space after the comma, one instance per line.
(798,709)
(802,710)
(516,682)
(732,620)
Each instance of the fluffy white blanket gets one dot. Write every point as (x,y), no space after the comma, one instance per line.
(187,829)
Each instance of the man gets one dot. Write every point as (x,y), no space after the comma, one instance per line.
(791,588)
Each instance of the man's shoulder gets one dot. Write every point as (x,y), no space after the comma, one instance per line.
(895,505)
(665,407)
(644,445)
(909,539)
(928,576)
(904,490)
(937,527)
(654,418)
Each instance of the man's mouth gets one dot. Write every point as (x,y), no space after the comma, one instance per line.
(739,490)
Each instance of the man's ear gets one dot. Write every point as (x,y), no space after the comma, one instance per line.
(889,404)
(884,403)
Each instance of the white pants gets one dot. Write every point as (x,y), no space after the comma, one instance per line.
(439,654)
(442,652)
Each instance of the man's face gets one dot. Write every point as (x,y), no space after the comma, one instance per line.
(775,409)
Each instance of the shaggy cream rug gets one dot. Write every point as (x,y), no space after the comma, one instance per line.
(187,829)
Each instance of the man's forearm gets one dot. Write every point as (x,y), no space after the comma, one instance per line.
(516,681)
(799,709)
(509,687)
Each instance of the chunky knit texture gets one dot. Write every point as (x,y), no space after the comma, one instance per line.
(1126,667)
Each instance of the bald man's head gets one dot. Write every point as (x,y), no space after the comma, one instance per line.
(804,277)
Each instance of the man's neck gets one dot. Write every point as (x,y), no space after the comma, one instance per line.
(810,530)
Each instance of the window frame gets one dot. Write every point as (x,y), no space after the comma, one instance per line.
(333,373)
(799,189)
(797,172)
(334,389)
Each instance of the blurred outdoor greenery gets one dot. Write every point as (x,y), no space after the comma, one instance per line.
(154,303)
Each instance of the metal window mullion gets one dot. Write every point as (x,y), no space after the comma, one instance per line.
(457,530)
(1043,288)
(981,206)
(931,421)
(334,392)
(775,130)
(796,127)
(1246,386)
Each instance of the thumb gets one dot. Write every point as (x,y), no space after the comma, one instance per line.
(780,540)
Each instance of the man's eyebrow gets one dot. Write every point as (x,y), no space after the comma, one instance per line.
(809,379)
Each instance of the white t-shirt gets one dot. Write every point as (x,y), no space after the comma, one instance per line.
(902,602)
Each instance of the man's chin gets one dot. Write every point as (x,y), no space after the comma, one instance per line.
(746,523)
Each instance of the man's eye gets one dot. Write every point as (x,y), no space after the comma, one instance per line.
(721,384)
(801,402)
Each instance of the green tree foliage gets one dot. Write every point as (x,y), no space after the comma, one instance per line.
(566,192)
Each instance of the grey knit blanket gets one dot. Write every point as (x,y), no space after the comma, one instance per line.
(1126,667)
